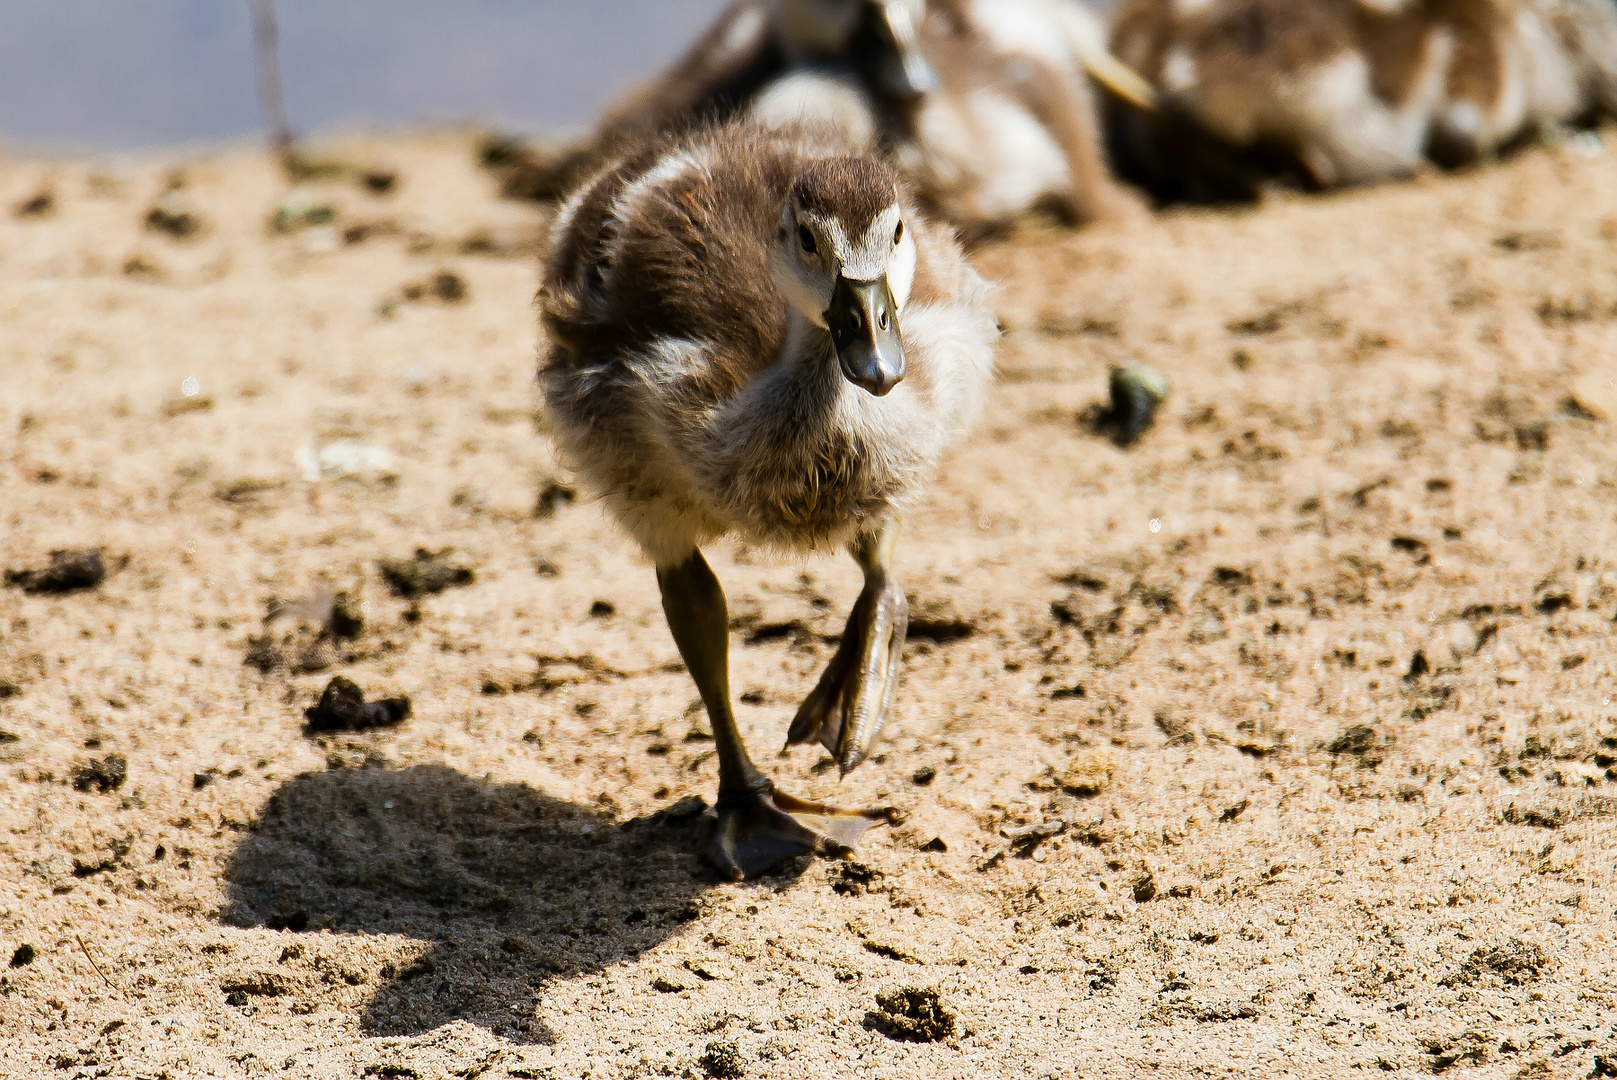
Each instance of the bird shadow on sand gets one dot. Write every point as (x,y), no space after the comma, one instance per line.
(513,888)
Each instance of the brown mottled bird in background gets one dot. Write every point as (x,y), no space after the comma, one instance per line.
(1336,92)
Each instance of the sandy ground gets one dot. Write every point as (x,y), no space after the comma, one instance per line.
(1335,641)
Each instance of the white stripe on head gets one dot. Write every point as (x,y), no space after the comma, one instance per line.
(872,255)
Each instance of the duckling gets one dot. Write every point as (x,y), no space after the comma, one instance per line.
(984,103)
(756,335)
(1349,91)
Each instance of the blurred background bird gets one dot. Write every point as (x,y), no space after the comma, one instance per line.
(986,106)
(1333,92)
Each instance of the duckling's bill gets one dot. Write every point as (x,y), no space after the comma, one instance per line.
(863,318)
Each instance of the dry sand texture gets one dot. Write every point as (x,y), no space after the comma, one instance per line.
(1281,743)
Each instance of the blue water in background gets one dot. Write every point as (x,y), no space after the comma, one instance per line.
(117,74)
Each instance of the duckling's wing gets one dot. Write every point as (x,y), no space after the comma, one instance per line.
(659,268)
(686,240)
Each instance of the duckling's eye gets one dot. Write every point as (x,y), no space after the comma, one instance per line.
(898,234)
(806,239)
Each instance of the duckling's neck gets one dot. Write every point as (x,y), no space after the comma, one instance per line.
(808,360)
(802,394)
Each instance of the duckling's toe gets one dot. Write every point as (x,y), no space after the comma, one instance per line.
(761,829)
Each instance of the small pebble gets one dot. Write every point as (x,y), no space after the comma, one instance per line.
(428,572)
(299,210)
(1136,392)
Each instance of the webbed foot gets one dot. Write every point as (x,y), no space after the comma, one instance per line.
(845,710)
(762,828)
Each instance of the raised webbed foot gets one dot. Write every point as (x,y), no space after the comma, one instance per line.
(762,828)
(845,710)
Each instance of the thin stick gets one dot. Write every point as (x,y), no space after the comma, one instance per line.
(271,97)
(93,964)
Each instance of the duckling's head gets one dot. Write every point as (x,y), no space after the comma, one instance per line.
(844,257)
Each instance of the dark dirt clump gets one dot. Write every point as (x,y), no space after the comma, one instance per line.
(498,150)
(722,1061)
(427,573)
(258,984)
(1516,962)
(1144,888)
(69,571)
(107,774)
(446,286)
(449,287)
(174,216)
(849,878)
(911,1014)
(940,630)
(36,206)
(321,622)
(1472,1047)
(343,707)
(24,955)
(379,181)
(347,617)
(1553,818)
(299,654)
(524,172)
(262,654)
(552,497)
(1356,740)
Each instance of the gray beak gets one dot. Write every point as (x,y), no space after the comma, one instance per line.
(909,77)
(863,318)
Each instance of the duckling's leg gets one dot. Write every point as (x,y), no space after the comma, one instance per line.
(758,826)
(846,709)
